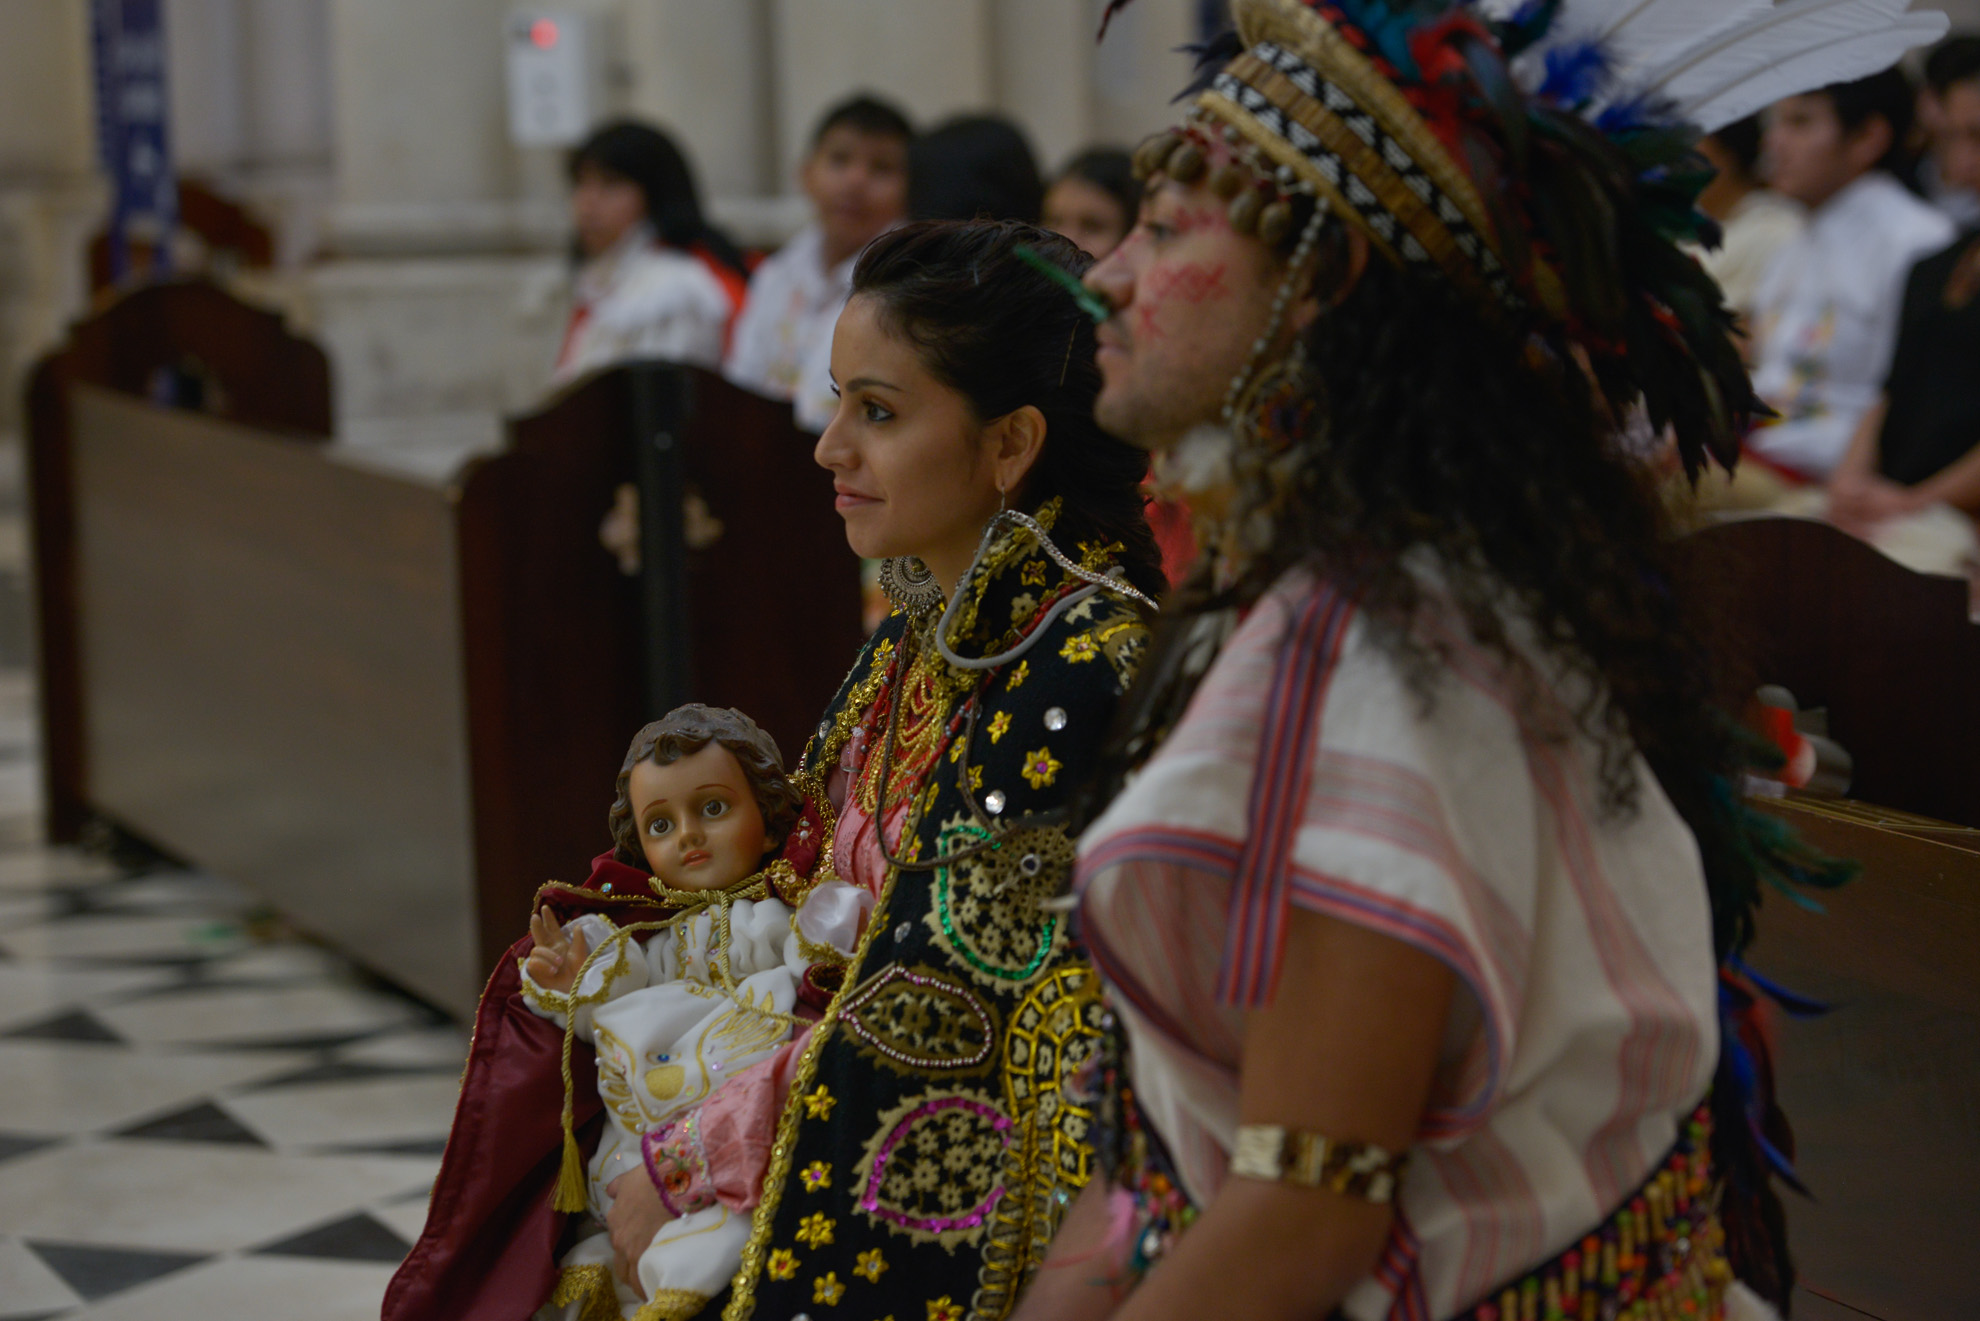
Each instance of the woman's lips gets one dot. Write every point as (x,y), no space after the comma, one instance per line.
(844,499)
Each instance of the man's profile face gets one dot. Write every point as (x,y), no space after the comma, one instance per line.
(1809,156)
(1958,139)
(1190,296)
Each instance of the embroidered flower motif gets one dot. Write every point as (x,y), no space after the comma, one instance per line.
(871,1265)
(819,1104)
(1018,676)
(826,1289)
(1079,647)
(1041,767)
(815,1230)
(1000,725)
(1033,573)
(975,778)
(944,1309)
(783,1264)
(817,1176)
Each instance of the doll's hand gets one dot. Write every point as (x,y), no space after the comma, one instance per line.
(555,961)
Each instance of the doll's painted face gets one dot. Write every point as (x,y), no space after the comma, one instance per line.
(699,825)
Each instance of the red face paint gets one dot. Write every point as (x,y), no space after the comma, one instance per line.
(1187,282)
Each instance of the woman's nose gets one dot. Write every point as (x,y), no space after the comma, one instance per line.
(831,451)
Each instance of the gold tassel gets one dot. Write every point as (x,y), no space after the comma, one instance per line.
(570,1178)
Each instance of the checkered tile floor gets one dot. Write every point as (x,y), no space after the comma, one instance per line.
(201,1114)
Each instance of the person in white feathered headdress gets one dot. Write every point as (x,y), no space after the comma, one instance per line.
(1419,873)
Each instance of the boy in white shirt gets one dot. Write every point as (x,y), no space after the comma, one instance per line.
(1825,319)
(856,178)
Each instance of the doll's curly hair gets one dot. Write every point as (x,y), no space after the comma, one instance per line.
(685,731)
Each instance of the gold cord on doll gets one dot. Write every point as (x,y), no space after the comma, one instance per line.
(570,1194)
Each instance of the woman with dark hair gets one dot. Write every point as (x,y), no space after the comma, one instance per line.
(911,1153)
(1094,200)
(974,167)
(654,279)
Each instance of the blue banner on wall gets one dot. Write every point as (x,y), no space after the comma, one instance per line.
(132,129)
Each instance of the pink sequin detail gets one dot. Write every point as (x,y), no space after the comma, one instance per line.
(870,1200)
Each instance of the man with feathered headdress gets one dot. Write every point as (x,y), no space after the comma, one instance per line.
(1422,875)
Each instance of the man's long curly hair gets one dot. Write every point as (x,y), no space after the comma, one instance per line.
(1444,431)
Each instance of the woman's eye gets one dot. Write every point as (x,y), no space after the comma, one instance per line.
(875,412)
(659,826)
(714,807)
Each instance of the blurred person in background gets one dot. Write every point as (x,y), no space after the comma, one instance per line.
(654,278)
(1910,482)
(1094,200)
(856,179)
(1954,60)
(1826,315)
(974,167)
(1755,221)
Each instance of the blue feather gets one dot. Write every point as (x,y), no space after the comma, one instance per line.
(1576,71)
(1795,1004)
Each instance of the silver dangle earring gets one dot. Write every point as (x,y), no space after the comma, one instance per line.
(910,584)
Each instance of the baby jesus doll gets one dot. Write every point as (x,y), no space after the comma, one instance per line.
(703,801)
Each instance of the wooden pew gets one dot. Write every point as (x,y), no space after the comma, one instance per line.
(1882,1091)
(1890,653)
(395,705)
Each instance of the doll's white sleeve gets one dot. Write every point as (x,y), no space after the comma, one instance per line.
(831,917)
(614,965)
(757,933)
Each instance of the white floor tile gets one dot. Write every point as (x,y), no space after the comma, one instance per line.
(20,787)
(255,1014)
(265,1288)
(190,1197)
(30,991)
(439,1046)
(28,1288)
(46,868)
(177,890)
(97,936)
(288,960)
(370,1110)
(58,1087)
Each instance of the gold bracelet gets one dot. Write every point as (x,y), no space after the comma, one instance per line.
(1278,1154)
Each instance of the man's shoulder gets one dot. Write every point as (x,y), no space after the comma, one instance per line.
(1905,220)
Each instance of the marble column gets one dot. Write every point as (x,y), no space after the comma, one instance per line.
(934,58)
(51,197)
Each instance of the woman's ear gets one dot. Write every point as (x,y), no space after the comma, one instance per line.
(1016,440)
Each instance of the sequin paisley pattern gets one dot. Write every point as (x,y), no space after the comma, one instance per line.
(952,1143)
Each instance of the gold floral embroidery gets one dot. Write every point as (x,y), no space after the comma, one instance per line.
(815,1230)
(944,1309)
(976,778)
(871,1265)
(1041,767)
(1054,1033)
(931,1171)
(1000,725)
(1033,573)
(826,1289)
(819,1104)
(590,1286)
(1018,676)
(915,1020)
(987,910)
(1080,647)
(817,1176)
(1023,607)
(783,1264)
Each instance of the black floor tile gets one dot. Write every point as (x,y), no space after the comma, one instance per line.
(76,1025)
(204,1122)
(360,1238)
(349,1071)
(97,1272)
(20,1144)
(411,1147)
